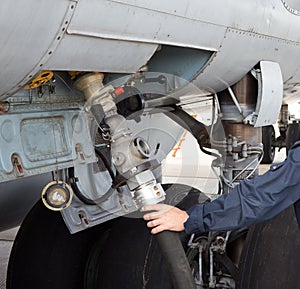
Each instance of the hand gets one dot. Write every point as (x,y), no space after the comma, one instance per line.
(164,217)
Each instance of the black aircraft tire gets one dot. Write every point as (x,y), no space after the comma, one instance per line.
(271,256)
(117,254)
(268,136)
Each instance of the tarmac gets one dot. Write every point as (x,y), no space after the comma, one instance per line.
(6,243)
(7,237)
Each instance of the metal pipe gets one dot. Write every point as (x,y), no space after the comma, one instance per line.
(234,99)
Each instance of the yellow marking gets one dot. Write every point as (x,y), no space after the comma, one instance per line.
(179,144)
(42,78)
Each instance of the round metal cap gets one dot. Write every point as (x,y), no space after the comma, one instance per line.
(57,195)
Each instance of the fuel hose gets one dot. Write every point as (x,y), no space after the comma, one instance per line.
(176,260)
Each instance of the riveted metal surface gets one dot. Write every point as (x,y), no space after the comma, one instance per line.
(28,38)
(253,47)
(292,6)
(143,25)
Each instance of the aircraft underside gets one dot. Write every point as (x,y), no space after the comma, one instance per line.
(93,97)
(96,155)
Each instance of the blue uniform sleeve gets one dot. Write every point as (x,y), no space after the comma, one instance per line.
(251,201)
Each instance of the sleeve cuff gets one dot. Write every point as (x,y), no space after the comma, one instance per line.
(194,223)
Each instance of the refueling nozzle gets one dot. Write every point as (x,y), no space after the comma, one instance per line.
(131,155)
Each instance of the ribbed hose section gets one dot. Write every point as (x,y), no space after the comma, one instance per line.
(177,263)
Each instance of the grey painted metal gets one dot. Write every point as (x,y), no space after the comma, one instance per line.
(234,15)
(233,61)
(292,6)
(30,33)
(82,53)
(42,142)
(127,22)
(159,131)
(132,30)
(80,216)
(271,94)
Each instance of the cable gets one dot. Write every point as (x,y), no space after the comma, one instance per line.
(245,168)
(85,199)
(105,162)
(220,188)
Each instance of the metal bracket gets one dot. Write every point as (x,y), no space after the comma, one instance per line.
(270,94)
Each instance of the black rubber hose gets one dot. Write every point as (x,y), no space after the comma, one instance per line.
(185,120)
(200,143)
(83,198)
(177,262)
(98,113)
(169,242)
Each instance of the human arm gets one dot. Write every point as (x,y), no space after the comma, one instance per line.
(250,202)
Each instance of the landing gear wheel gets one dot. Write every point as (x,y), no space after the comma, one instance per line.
(268,138)
(117,254)
(271,256)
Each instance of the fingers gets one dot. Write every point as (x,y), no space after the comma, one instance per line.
(156,227)
(162,217)
(157,211)
(153,223)
(151,216)
(154,207)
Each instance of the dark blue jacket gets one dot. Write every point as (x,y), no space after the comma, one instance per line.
(251,201)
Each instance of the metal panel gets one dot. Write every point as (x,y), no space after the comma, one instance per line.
(266,17)
(111,20)
(232,61)
(185,63)
(28,34)
(42,142)
(270,98)
(52,144)
(95,54)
